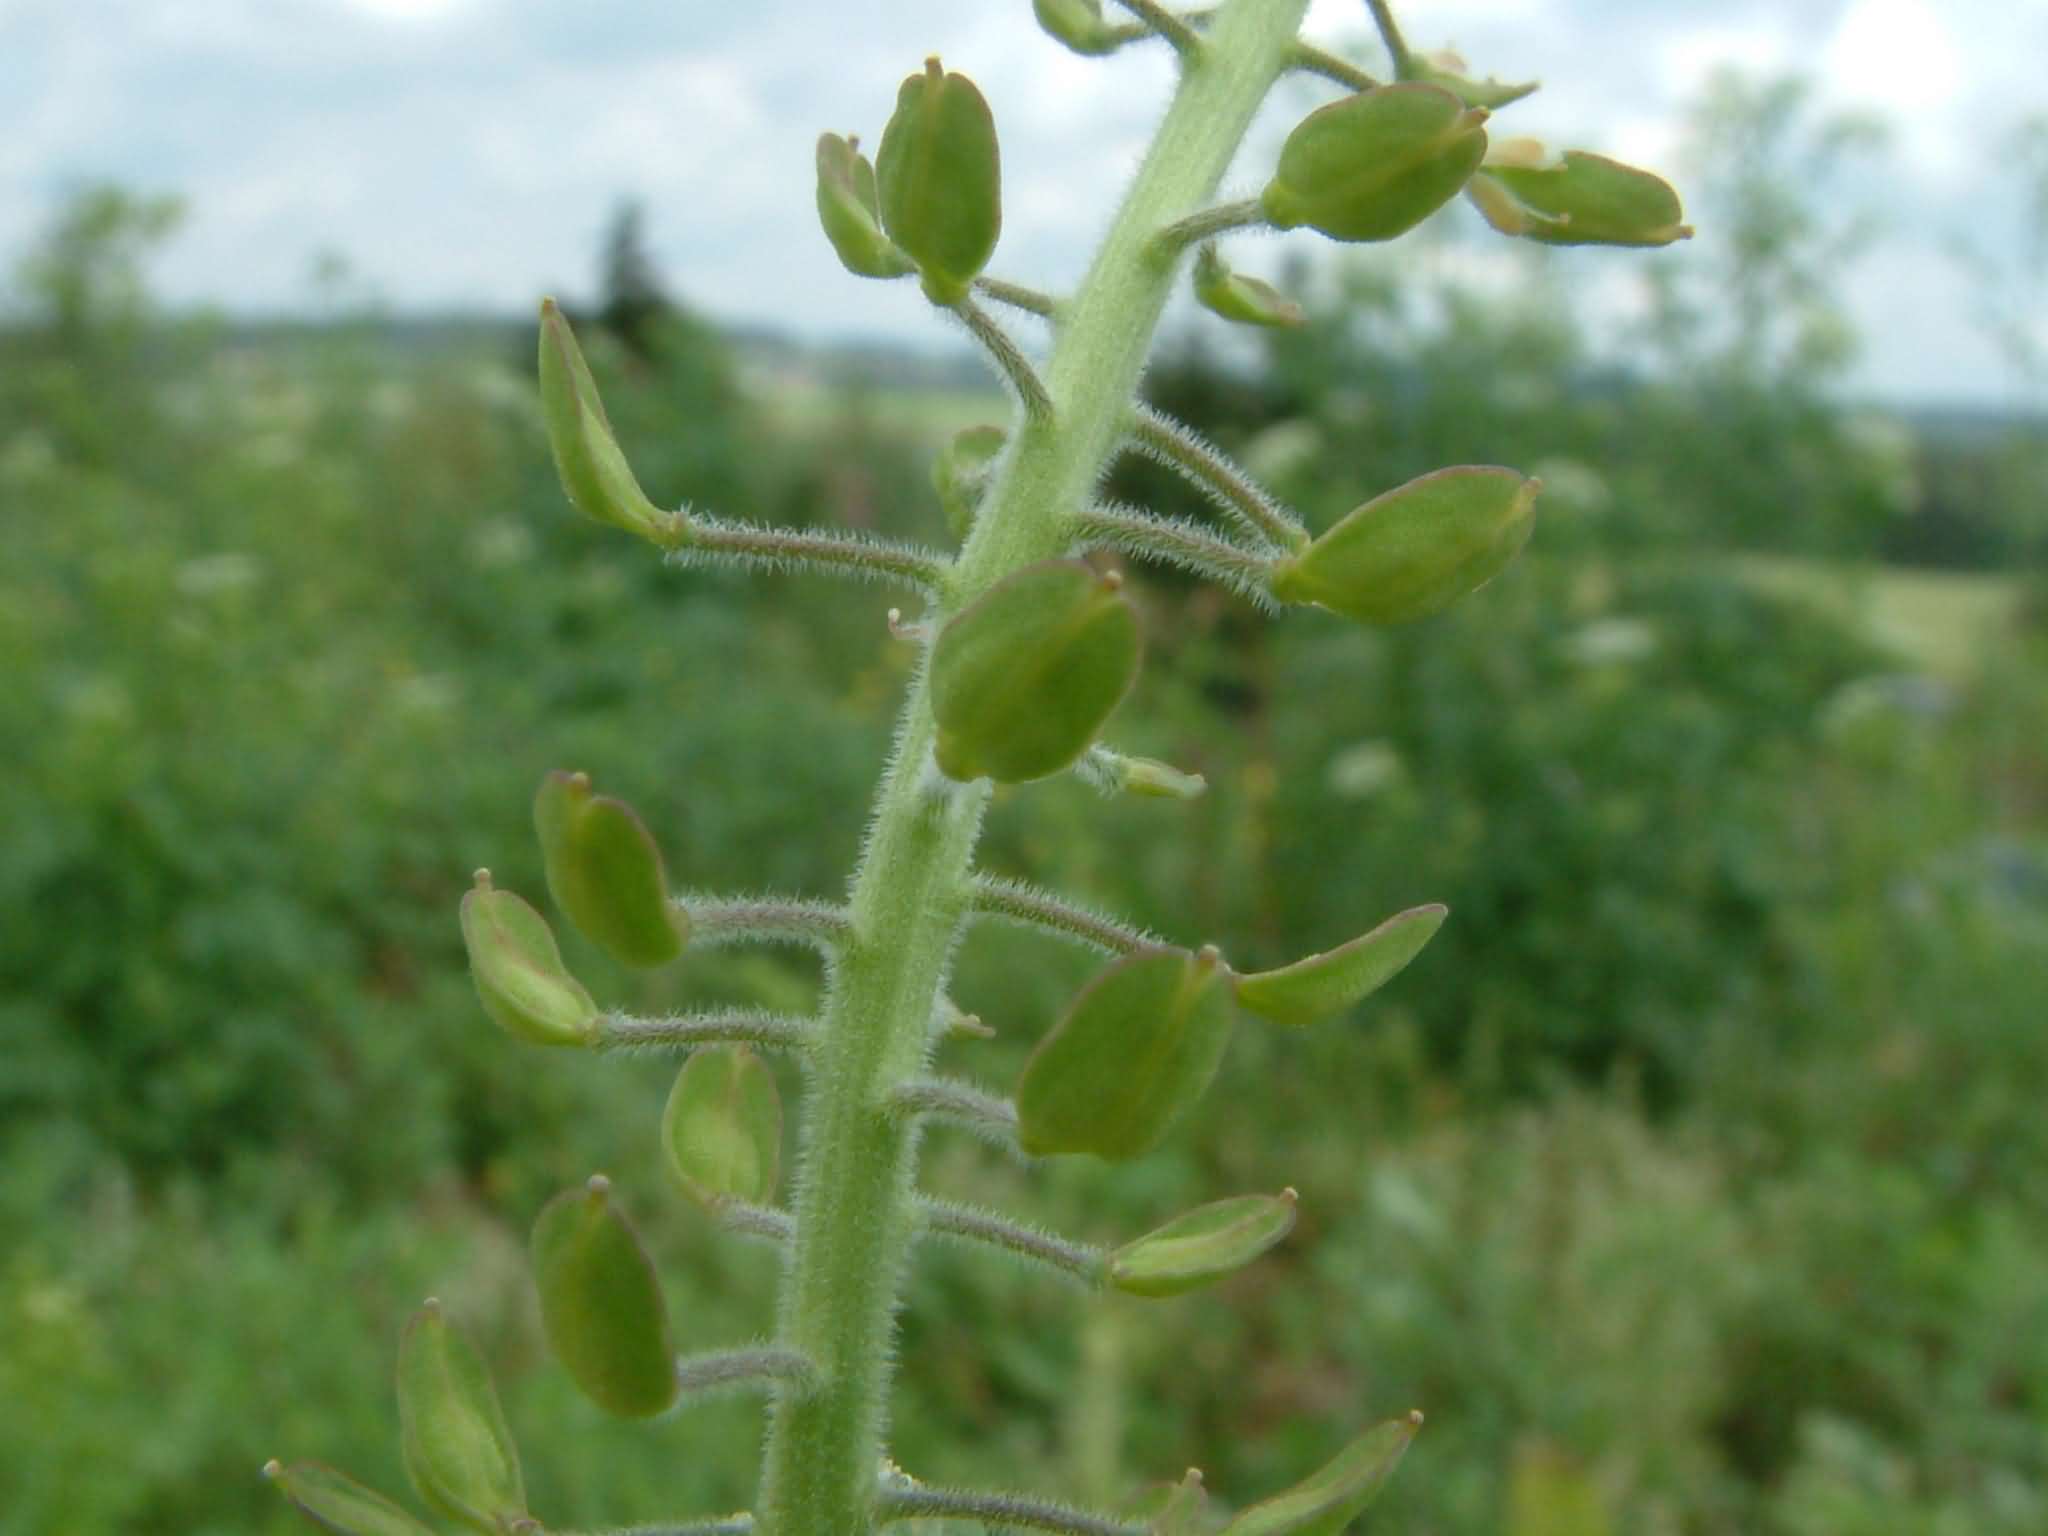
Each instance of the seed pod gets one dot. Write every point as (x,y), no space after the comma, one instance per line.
(960,473)
(1237,297)
(1328,983)
(1206,1244)
(1079,25)
(939,179)
(1323,1504)
(1579,199)
(340,1504)
(457,1447)
(722,1129)
(1170,1509)
(605,872)
(847,209)
(1416,549)
(1376,164)
(601,1303)
(1024,677)
(594,471)
(1134,1051)
(518,970)
(1450,71)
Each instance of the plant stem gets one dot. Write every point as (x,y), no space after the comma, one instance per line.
(854,1198)
(1015,902)
(1187,42)
(1390,34)
(685,1031)
(1000,1510)
(1015,366)
(1017,296)
(1071,1261)
(1311,60)
(718,920)
(715,541)
(1209,223)
(1203,465)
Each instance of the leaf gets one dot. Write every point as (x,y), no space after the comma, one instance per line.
(1134,1052)
(1328,1501)
(601,1303)
(457,1447)
(1330,982)
(1202,1246)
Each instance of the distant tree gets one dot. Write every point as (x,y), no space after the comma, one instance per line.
(633,303)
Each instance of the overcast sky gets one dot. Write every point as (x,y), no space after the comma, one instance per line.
(465,153)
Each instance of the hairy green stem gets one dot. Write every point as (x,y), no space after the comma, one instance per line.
(686,1031)
(1311,60)
(1390,34)
(716,920)
(1017,296)
(970,1223)
(855,1201)
(1184,450)
(1187,42)
(1207,223)
(1013,901)
(1015,366)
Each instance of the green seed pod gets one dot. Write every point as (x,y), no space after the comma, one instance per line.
(457,1447)
(1171,1509)
(1134,1051)
(960,473)
(1376,164)
(939,179)
(847,209)
(1450,71)
(518,970)
(601,1303)
(1206,1244)
(722,1129)
(1236,297)
(1024,677)
(594,471)
(1577,199)
(1328,983)
(1079,25)
(1328,1501)
(340,1504)
(606,873)
(1416,549)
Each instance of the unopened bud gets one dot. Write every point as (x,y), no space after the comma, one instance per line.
(938,176)
(340,1504)
(594,471)
(1327,1501)
(1234,296)
(1206,1244)
(601,1303)
(457,1447)
(1376,164)
(1416,549)
(1578,199)
(518,970)
(1079,25)
(1134,1052)
(848,210)
(1330,982)
(960,473)
(1023,678)
(606,873)
(722,1129)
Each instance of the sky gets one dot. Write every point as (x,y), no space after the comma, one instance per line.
(466,153)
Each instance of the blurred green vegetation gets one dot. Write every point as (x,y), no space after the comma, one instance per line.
(1690,1181)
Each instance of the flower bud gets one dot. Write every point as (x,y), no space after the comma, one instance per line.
(1024,677)
(722,1129)
(601,1304)
(1416,549)
(340,1504)
(960,473)
(1578,199)
(518,970)
(457,1447)
(1376,164)
(1324,1503)
(1448,70)
(605,872)
(1206,1244)
(1328,983)
(1079,25)
(1236,297)
(593,468)
(847,209)
(1134,1051)
(939,179)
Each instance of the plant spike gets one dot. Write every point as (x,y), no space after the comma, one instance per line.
(1137,1047)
